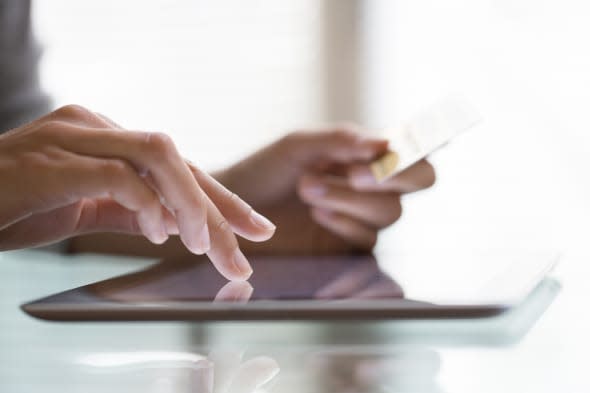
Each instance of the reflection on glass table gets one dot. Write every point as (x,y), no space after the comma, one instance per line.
(370,356)
(317,369)
(222,371)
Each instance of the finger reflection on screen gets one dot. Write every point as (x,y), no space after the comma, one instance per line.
(235,291)
(365,281)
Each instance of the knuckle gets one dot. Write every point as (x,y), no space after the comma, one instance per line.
(53,124)
(34,160)
(231,197)
(344,133)
(296,134)
(290,146)
(225,234)
(72,111)
(45,159)
(196,206)
(222,225)
(52,127)
(115,168)
(160,144)
(294,137)
(300,187)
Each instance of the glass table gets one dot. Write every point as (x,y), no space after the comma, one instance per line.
(539,346)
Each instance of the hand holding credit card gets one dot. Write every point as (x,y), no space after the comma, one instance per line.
(423,134)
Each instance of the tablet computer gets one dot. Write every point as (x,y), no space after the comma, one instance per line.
(354,287)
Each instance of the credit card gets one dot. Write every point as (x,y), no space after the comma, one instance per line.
(423,134)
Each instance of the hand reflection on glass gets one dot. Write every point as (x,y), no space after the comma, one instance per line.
(232,375)
(276,278)
(220,372)
(411,369)
(364,281)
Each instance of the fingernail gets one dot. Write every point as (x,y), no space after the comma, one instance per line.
(155,234)
(322,213)
(366,153)
(203,241)
(261,221)
(164,228)
(363,177)
(161,233)
(369,148)
(314,189)
(242,265)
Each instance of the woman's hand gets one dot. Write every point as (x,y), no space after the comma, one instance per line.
(318,188)
(74,171)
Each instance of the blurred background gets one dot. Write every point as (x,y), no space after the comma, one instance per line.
(226,77)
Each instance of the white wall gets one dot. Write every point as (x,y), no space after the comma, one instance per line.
(522,178)
(225,76)
(220,76)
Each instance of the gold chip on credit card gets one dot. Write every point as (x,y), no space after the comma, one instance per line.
(423,134)
(385,165)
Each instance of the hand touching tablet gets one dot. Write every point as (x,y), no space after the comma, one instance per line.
(74,171)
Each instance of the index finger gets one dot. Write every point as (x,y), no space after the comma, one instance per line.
(154,154)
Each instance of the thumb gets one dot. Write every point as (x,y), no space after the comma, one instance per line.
(342,145)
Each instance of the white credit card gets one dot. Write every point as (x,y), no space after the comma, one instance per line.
(423,134)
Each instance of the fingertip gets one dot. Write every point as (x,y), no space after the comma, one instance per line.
(171,226)
(232,265)
(431,173)
(310,187)
(261,236)
(321,215)
(261,221)
(152,226)
(257,236)
(235,291)
(241,266)
(153,239)
(254,227)
(161,238)
(361,177)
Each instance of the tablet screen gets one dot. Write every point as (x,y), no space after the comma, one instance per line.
(423,277)
(274,278)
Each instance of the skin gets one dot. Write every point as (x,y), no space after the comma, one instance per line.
(95,179)
(315,185)
(73,172)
